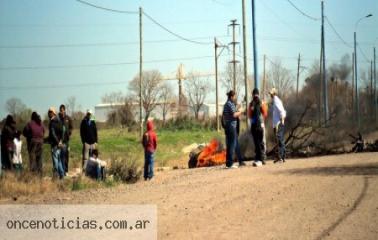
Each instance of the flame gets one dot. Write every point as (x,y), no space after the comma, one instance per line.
(211,156)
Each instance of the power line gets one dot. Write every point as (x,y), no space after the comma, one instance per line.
(338,35)
(302,12)
(99,65)
(94,84)
(105,44)
(175,34)
(105,8)
(363,54)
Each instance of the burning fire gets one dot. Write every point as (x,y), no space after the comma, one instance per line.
(212,155)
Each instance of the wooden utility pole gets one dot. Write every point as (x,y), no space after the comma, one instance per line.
(140,70)
(245,63)
(299,64)
(216,83)
(264,79)
(371,87)
(375,92)
(216,55)
(324,77)
(352,85)
(234,43)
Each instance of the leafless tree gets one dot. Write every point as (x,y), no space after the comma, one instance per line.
(71,105)
(227,80)
(166,95)
(280,78)
(197,89)
(15,106)
(113,98)
(151,83)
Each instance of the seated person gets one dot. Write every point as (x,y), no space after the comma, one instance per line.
(94,167)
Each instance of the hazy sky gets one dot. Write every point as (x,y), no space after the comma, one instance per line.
(53,49)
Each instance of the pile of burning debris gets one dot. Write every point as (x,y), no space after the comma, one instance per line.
(212,154)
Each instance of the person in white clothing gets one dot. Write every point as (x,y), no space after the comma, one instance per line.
(279,115)
(17,157)
(94,167)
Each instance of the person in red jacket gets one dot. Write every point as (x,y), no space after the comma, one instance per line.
(149,142)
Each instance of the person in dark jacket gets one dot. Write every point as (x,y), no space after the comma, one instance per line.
(88,134)
(230,116)
(7,136)
(67,125)
(149,142)
(55,139)
(34,133)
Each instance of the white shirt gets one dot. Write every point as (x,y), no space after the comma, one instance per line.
(278,111)
(17,158)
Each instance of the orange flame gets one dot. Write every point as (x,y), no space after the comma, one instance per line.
(211,156)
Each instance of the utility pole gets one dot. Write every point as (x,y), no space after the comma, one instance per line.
(234,43)
(216,55)
(320,85)
(264,79)
(255,61)
(371,86)
(245,63)
(375,92)
(357,107)
(353,85)
(299,64)
(140,70)
(180,76)
(325,85)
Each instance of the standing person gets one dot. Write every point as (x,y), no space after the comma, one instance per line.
(279,115)
(55,140)
(67,125)
(34,133)
(7,136)
(88,134)
(229,118)
(149,142)
(17,157)
(257,112)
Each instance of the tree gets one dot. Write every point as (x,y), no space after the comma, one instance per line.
(227,79)
(166,95)
(113,98)
(15,106)
(197,89)
(280,78)
(151,83)
(71,105)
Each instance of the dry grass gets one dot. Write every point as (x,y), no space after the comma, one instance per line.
(13,185)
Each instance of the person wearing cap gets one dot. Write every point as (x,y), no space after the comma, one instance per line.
(88,134)
(55,139)
(67,124)
(279,115)
(229,118)
(7,136)
(257,112)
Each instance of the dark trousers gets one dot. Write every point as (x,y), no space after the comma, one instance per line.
(35,156)
(65,157)
(6,158)
(148,165)
(280,133)
(232,144)
(258,139)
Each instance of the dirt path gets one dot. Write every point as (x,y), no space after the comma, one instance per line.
(333,197)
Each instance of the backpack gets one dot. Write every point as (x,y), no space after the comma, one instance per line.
(256,115)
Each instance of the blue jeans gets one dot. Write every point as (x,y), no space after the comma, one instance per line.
(64,155)
(232,144)
(148,165)
(280,133)
(57,161)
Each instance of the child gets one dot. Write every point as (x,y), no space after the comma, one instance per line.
(149,142)
(17,158)
(94,167)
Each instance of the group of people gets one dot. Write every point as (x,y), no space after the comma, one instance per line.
(257,113)
(60,129)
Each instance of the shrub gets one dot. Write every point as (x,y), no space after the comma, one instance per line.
(126,169)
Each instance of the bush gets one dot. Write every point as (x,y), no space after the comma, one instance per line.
(125,169)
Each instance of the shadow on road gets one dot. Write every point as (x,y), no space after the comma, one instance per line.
(357,170)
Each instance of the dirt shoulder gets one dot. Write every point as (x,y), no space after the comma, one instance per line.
(333,197)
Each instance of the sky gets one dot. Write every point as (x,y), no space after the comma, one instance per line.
(51,50)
